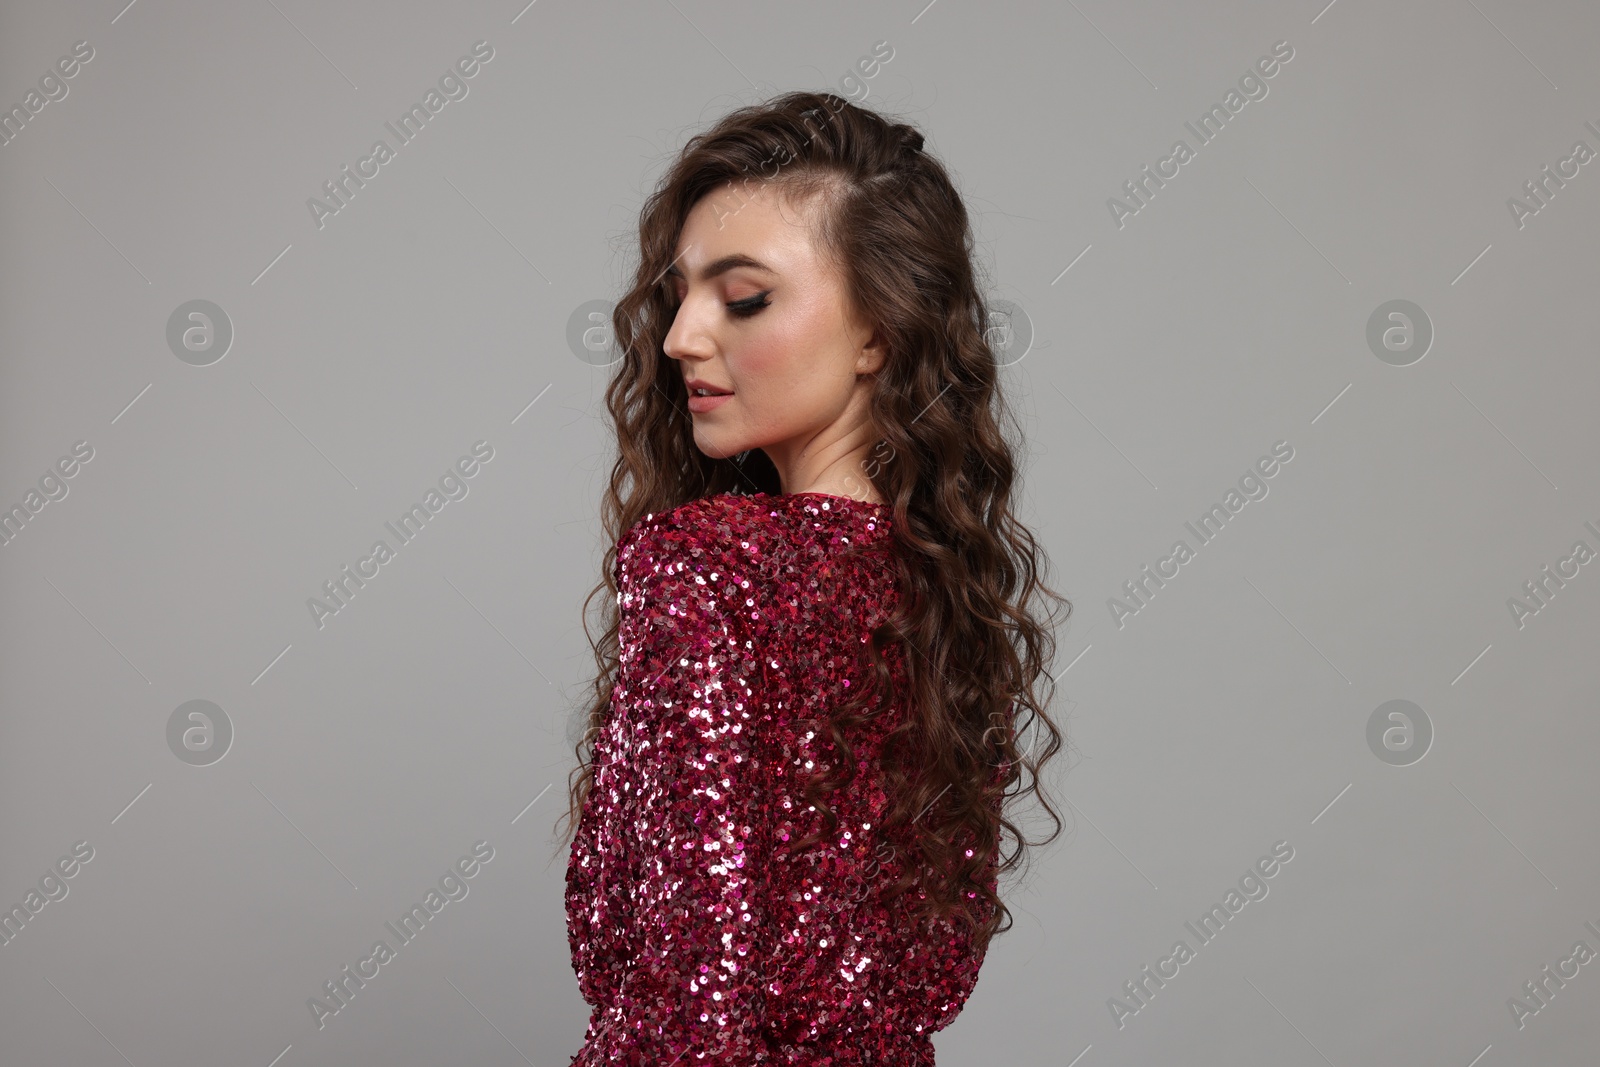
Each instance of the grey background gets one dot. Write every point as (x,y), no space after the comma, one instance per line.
(432,312)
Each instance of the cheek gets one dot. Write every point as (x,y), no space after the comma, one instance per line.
(769,377)
(785,362)
(770,357)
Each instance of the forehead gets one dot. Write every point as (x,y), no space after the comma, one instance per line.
(752,220)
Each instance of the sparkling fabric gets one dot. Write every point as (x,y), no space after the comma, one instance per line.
(697,935)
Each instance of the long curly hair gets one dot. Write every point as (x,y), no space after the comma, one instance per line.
(976,733)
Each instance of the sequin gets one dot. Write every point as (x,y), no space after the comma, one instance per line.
(698,935)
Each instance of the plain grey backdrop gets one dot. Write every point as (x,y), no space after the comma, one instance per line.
(215,396)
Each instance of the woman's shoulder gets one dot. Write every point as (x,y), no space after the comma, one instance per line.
(760,524)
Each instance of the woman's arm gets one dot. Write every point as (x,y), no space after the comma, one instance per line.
(690,683)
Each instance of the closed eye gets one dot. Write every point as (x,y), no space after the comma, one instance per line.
(743,309)
(751,305)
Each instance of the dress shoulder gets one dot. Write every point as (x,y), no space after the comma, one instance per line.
(712,520)
(774,534)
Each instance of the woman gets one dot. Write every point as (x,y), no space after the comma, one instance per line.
(789,799)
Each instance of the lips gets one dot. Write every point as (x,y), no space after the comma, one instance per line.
(700,405)
(695,388)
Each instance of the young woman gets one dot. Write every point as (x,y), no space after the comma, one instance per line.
(817,678)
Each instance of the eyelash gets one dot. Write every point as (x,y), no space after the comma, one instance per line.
(750,306)
(742,309)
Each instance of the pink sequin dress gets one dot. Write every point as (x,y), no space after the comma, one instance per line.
(697,937)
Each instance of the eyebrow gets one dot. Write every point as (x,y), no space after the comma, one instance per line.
(723,266)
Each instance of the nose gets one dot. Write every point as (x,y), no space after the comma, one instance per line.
(688,338)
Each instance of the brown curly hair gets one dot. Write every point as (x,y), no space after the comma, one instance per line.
(898,230)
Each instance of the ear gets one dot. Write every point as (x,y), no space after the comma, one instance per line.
(871,358)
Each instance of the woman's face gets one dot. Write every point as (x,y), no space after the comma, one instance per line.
(763,316)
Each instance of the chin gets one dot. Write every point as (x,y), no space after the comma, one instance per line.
(715,447)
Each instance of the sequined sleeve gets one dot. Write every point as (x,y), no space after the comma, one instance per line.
(688,777)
